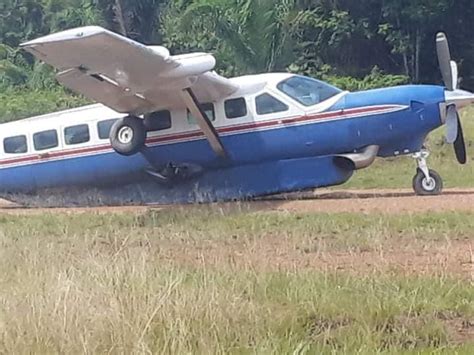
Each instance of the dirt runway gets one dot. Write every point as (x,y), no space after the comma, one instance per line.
(452,256)
(320,201)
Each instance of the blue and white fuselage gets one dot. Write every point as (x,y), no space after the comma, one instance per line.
(269,152)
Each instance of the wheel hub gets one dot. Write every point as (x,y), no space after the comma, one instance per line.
(428,184)
(125,135)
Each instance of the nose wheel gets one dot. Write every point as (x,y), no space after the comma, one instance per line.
(426,182)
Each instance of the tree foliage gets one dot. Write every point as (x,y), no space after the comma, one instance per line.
(250,35)
(322,37)
(354,44)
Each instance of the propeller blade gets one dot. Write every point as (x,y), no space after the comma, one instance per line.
(452,124)
(444,59)
(460,145)
(455,72)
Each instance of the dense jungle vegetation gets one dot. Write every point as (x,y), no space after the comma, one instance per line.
(353,44)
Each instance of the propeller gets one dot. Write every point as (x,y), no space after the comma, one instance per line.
(449,72)
(460,145)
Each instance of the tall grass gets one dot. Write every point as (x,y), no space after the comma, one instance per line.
(142,282)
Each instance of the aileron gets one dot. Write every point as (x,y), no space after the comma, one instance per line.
(104,90)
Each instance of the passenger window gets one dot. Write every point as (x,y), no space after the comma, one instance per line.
(158,121)
(45,140)
(235,108)
(208,108)
(76,134)
(267,104)
(104,127)
(15,145)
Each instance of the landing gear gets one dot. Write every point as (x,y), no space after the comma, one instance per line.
(426,182)
(171,173)
(128,135)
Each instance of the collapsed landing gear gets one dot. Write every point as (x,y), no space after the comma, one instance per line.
(426,182)
(172,174)
(128,135)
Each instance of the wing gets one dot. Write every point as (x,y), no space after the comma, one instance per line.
(125,75)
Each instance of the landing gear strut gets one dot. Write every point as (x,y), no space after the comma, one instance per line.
(128,135)
(426,182)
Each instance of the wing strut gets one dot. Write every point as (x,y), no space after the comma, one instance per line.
(204,122)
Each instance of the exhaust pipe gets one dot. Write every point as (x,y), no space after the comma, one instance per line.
(357,161)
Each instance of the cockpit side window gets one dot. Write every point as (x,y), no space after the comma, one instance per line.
(307,91)
(15,145)
(267,104)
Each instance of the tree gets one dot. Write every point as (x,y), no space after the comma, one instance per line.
(137,19)
(330,38)
(22,20)
(250,35)
(408,24)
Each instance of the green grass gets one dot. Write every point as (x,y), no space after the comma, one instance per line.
(210,223)
(144,282)
(398,172)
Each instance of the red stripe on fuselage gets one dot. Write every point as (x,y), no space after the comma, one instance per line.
(277,122)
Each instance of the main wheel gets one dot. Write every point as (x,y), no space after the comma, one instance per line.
(427,187)
(128,135)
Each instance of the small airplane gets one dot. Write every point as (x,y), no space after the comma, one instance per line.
(198,136)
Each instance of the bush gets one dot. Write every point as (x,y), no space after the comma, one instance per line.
(376,79)
(21,103)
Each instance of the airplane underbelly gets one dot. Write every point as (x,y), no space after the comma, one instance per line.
(17,178)
(95,169)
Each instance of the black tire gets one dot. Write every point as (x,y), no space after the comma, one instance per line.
(128,135)
(424,188)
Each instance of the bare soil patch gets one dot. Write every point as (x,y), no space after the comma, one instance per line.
(269,254)
(380,201)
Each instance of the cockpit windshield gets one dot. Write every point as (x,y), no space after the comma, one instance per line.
(307,91)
